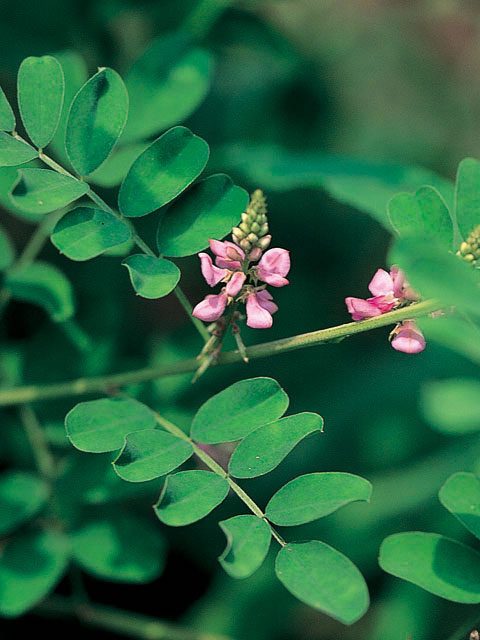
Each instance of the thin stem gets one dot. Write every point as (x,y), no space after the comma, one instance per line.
(141,244)
(131,625)
(83,386)
(220,471)
(38,442)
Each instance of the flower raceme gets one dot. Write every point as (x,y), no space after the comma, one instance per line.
(390,291)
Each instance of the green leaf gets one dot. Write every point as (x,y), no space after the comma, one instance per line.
(435,563)
(314,496)
(150,454)
(13,151)
(22,495)
(8,179)
(323,578)
(152,277)
(44,285)
(75,74)
(452,406)
(460,494)
(210,209)
(467,195)
(459,333)
(238,410)
(248,542)
(7,117)
(30,566)
(162,172)
(188,496)
(101,425)
(122,548)
(459,284)
(7,251)
(115,168)
(166,85)
(42,190)
(266,447)
(424,215)
(367,186)
(41,88)
(96,120)
(85,233)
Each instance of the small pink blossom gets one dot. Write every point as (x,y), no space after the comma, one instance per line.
(211,308)
(235,284)
(228,255)
(265,300)
(274,266)
(212,274)
(361,309)
(409,338)
(258,317)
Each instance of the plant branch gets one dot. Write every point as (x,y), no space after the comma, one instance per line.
(141,244)
(131,625)
(83,386)
(220,471)
(38,442)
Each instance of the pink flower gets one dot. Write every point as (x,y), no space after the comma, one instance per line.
(259,310)
(228,255)
(274,266)
(235,284)
(211,308)
(212,274)
(361,309)
(409,338)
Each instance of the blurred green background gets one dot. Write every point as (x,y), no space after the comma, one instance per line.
(379,80)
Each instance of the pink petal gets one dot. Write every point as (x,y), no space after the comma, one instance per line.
(276,261)
(225,263)
(211,308)
(381,284)
(384,303)
(271,278)
(235,284)
(211,273)
(218,248)
(257,316)
(409,339)
(361,309)
(265,300)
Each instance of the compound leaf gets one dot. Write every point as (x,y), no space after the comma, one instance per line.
(42,190)
(248,542)
(13,151)
(152,277)
(7,117)
(460,494)
(22,495)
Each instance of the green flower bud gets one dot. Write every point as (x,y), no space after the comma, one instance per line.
(245,244)
(470,249)
(255,227)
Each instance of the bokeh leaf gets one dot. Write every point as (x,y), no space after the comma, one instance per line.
(7,117)
(453,405)
(266,447)
(162,172)
(210,209)
(42,190)
(7,251)
(149,454)
(13,151)
(165,85)
(44,285)
(323,578)
(96,120)
(152,277)
(424,215)
(84,233)
(101,425)
(188,496)
(248,542)
(314,496)
(460,494)
(238,410)
(467,195)
(22,495)
(438,564)
(41,88)
(120,548)
(30,566)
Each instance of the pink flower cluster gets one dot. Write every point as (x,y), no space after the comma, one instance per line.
(390,291)
(233,268)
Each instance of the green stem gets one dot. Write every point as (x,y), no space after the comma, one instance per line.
(83,386)
(38,442)
(117,621)
(216,468)
(203,16)
(141,244)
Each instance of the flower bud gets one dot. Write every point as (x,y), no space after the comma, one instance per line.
(264,242)
(253,238)
(245,244)
(238,233)
(470,249)
(245,227)
(255,227)
(255,254)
